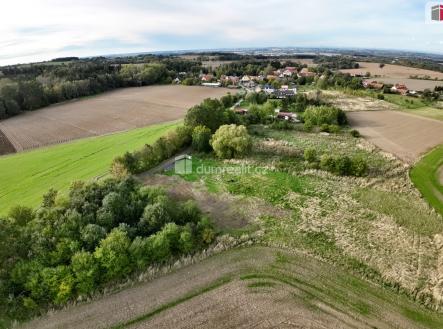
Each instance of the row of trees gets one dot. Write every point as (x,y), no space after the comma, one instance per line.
(99,233)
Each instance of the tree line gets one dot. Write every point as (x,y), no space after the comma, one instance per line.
(29,87)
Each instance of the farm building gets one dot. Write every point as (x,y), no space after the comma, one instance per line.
(400,89)
(241,110)
(373,85)
(211,84)
(288,116)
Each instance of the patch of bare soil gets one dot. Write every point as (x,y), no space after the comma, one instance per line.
(114,111)
(226,210)
(5,145)
(236,306)
(352,103)
(404,135)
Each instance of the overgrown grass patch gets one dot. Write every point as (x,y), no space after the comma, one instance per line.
(403,210)
(425,176)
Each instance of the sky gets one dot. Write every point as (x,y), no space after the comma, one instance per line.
(36,30)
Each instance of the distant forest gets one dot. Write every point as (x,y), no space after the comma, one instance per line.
(32,86)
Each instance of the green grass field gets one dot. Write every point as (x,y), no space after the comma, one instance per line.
(25,177)
(425,177)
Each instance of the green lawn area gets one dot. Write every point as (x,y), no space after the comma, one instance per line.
(429,112)
(425,177)
(25,177)
(406,101)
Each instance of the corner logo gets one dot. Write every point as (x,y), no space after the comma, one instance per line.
(183,164)
(437,13)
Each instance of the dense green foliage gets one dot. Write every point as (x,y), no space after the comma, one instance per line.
(319,115)
(101,232)
(151,155)
(201,136)
(231,141)
(427,176)
(212,113)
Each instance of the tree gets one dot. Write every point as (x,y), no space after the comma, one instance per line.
(86,272)
(381,65)
(91,235)
(155,216)
(200,139)
(231,141)
(210,113)
(113,255)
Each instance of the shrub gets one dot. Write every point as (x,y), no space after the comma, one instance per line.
(310,155)
(380,96)
(231,141)
(359,166)
(355,133)
(343,166)
(201,136)
(319,115)
(327,163)
(334,129)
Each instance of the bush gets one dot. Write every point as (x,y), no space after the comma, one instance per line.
(380,96)
(327,163)
(320,115)
(201,136)
(231,141)
(355,133)
(310,155)
(359,166)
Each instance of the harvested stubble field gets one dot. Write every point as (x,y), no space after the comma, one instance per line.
(119,110)
(404,135)
(393,71)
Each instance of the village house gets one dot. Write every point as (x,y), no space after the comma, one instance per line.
(206,77)
(211,84)
(288,116)
(267,88)
(271,77)
(400,89)
(305,73)
(373,85)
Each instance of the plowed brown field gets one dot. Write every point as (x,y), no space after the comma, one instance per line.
(404,135)
(110,112)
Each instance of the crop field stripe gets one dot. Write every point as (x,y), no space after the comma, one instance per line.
(218,283)
(25,177)
(425,177)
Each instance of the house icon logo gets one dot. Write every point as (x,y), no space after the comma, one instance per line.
(183,164)
(437,13)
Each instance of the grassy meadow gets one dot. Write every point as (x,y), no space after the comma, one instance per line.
(425,177)
(25,177)
(368,225)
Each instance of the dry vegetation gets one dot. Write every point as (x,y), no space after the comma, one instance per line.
(114,111)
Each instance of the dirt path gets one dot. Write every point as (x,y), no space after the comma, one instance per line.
(226,210)
(404,135)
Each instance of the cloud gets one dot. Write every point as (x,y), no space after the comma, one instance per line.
(34,31)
